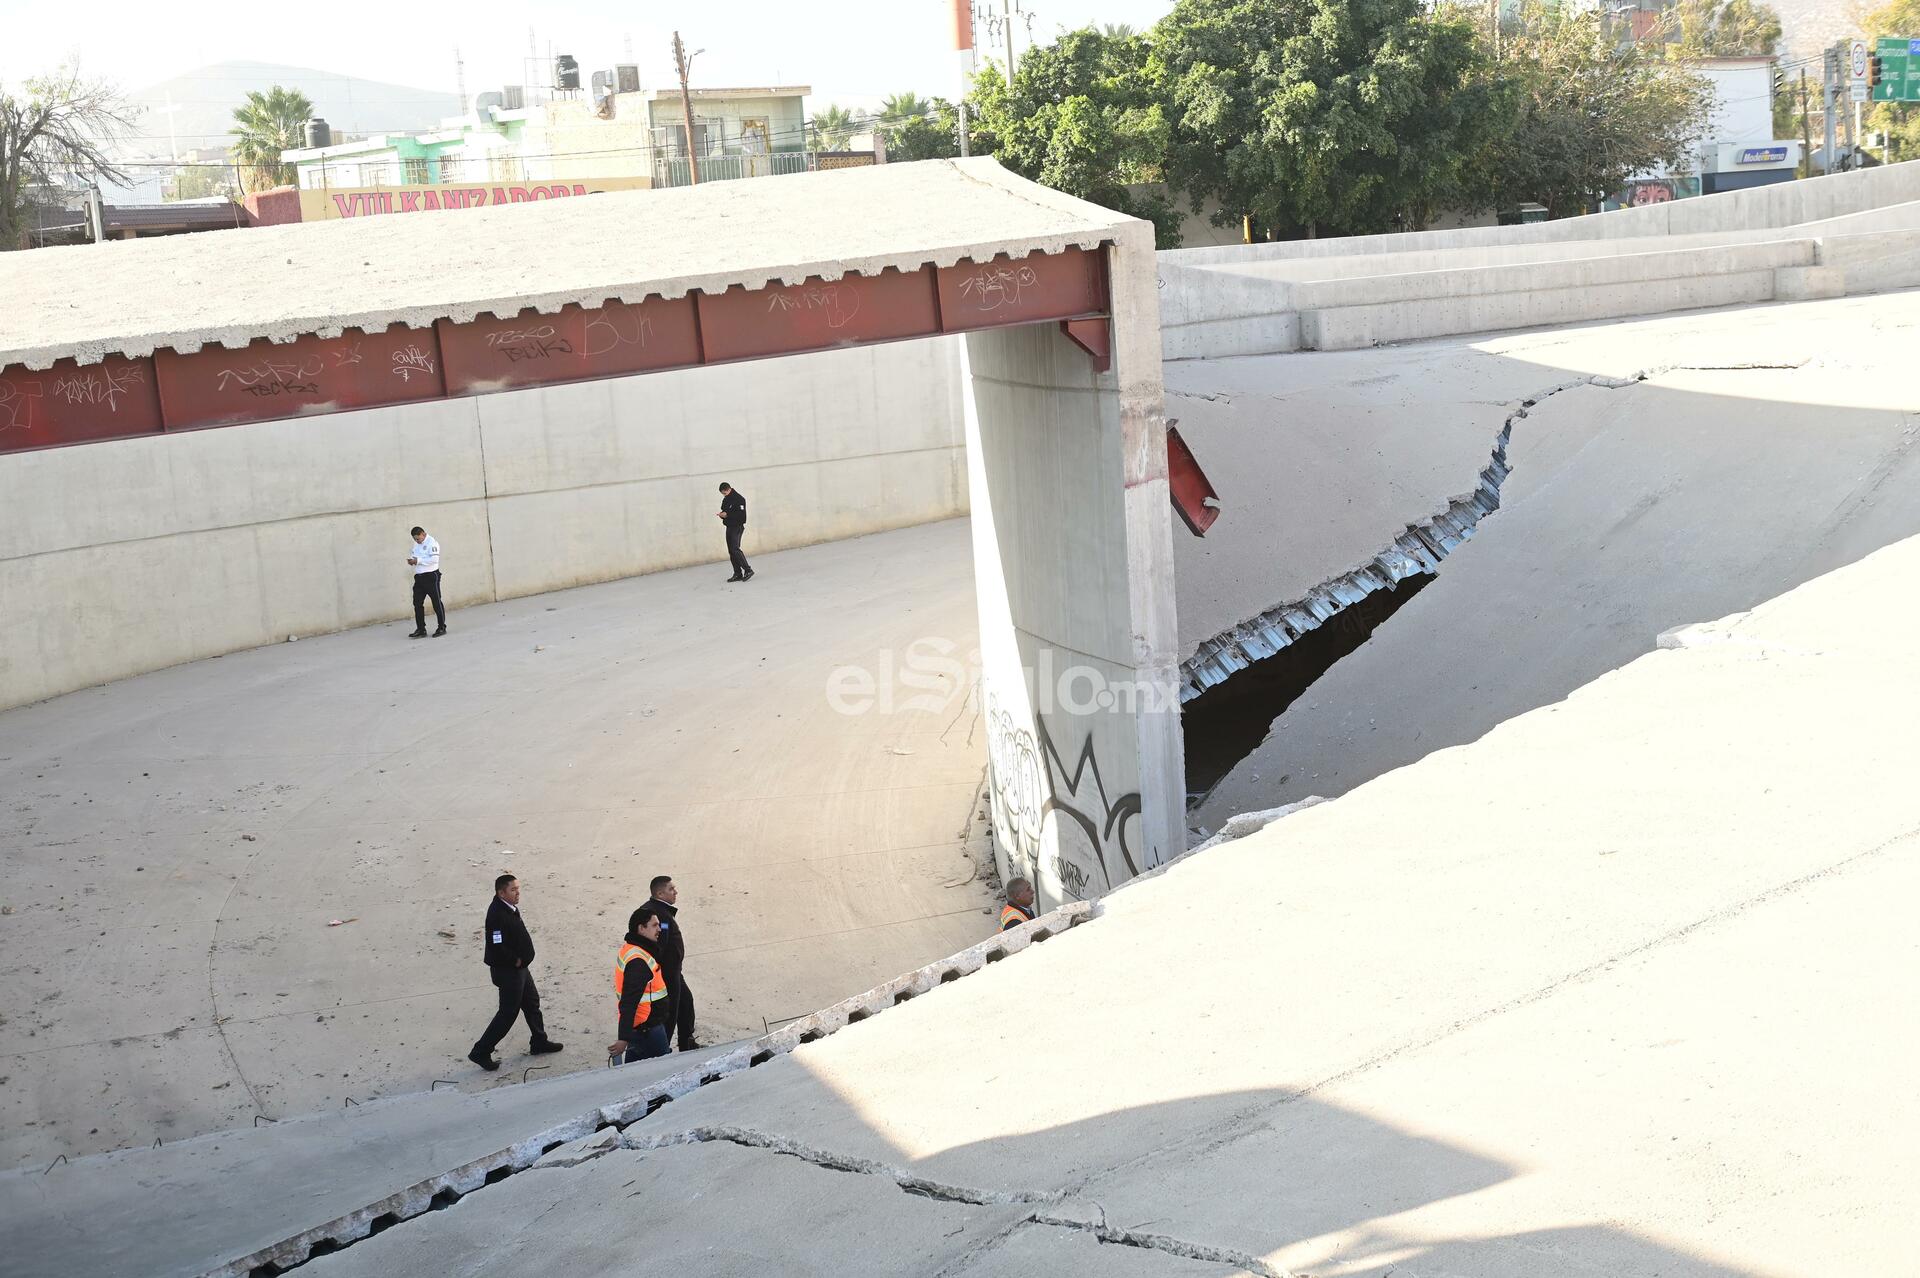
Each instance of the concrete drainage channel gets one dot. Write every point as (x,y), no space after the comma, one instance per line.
(450,1187)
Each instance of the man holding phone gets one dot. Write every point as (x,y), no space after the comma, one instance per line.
(425,560)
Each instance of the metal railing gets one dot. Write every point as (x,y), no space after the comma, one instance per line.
(673,170)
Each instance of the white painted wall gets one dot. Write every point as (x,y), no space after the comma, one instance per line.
(123,557)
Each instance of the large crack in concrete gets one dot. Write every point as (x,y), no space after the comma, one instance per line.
(1419,549)
(446,1189)
(1094,1224)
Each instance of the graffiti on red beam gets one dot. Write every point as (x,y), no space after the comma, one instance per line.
(572,344)
(70,404)
(266,380)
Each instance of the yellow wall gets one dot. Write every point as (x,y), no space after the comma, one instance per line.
(366,201)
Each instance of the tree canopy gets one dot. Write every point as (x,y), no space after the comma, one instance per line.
(1722,29)
(57,129)
(265,125)
(1083,116)
(918,128)
(1580,112)
(830,128)
(1316,116)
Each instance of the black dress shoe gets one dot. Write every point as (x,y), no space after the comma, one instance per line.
(441,631)
(484,1062)
(736,577)
(748,575)
(545,1046)
(418,634)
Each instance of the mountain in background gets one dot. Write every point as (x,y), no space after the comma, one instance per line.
(1808,26)
(204,100)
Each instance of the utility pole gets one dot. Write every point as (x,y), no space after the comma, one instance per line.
(1831,96)
(1806,127)
(683,63)
(1010,8)
(460,78)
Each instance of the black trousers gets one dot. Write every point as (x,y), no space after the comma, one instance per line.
(426,585)
(518,996)
(739,560)
(681,1017)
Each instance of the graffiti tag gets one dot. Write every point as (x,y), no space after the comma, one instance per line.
(992,287)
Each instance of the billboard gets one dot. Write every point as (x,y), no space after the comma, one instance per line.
(329,203)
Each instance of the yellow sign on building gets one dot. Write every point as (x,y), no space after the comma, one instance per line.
(328,204)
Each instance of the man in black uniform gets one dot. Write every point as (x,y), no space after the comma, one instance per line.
(509,957)
(672,952)
(733,513)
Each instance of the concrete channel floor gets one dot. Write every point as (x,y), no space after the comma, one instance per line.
(1612,990)
(174,847)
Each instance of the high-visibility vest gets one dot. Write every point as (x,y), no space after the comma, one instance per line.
(1012,915)
(656,983)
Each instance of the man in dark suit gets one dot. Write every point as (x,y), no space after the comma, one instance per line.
(509,957)
(672,952)
(733,513)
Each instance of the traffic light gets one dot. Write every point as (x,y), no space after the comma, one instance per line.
(1873,70)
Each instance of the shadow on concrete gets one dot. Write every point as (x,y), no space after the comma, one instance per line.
(1254,1181)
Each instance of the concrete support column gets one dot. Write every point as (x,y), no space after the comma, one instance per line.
(1073,566)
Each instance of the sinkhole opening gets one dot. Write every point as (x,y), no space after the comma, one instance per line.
(1227,722)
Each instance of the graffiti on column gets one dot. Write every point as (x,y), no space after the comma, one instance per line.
(1029,780)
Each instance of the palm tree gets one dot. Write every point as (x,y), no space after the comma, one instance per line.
(901,108)
(265,125)
(832,127)
(1119,31)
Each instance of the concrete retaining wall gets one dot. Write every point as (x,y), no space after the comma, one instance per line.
(118,558)
(1781,205)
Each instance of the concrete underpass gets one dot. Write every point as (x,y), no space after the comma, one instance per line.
(1549,899)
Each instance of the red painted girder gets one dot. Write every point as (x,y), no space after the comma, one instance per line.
(851,311)
(1189,485)
(265,380)
(572,345)
(71,404)
(1039,286)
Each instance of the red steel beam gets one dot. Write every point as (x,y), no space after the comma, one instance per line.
(265,380)
(120,397)
(70,404)
(573,345)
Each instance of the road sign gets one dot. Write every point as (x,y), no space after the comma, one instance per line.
(1857,59)
(1899,70)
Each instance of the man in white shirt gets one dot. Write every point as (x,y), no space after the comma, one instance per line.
(426,584)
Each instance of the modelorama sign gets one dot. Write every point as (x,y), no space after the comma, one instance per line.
(362,201)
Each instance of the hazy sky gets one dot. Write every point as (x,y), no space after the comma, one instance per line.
(850,51)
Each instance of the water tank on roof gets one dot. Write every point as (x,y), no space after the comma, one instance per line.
(319,133)
(566,72)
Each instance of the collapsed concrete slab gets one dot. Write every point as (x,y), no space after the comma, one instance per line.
(1667,470)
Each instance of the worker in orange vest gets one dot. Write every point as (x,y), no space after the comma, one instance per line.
(643,999)
(1019,906)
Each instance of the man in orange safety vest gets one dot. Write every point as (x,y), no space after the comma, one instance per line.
(642,999)
(1019,906)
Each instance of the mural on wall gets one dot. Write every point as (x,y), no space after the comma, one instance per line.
(1641,192)
(1030,781)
